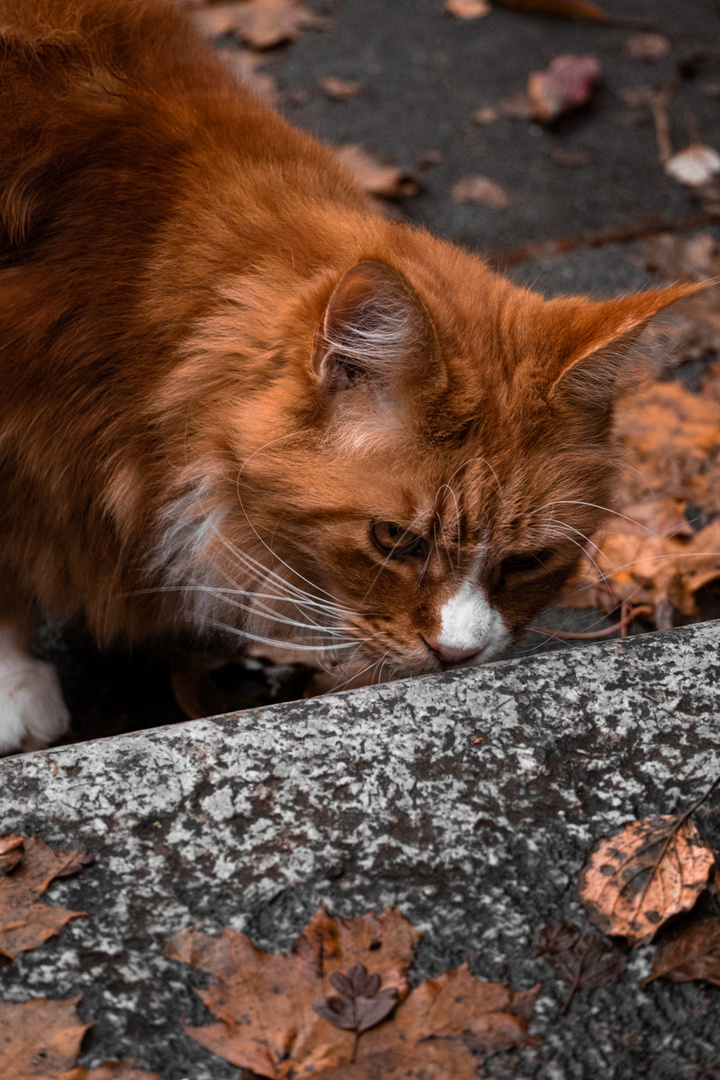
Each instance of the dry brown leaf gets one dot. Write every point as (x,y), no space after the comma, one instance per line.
(694,955)
(462,1016)
(299,1012)
(36,1032)
(583,961)
(665,415)
(468,9)
(339,89)
(25,923)
(256,1024)
(374,175)
(566,84)
(486,1016)
(660,570)
(11,851)
(481,189)
(41,1040)
(647,46)
(260,23)
(440,1059)
(636,880)
(672,438)
(694,166)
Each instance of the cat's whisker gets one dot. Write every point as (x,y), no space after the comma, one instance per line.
(280,582)
(595,506)
(352,677)
(448,487)
(276,557)
(562,535)
(289,645)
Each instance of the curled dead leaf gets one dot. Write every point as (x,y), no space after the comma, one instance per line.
(694,955)
(566,84)
(481,189)
(374,175)
(636,880)
(371,1026)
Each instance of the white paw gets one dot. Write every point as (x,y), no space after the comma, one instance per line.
(32,710)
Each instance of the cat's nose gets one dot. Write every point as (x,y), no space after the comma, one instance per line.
(451,655)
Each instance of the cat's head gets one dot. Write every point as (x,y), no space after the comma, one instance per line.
(421,472)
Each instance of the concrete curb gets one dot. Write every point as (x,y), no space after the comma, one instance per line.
(377,796)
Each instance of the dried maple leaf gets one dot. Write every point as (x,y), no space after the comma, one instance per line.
(481,189)
(272,1020)
(694,955)
(583,961)
(260,23)
(25,923)
(468,9)
(436,1059)
(41,1040)
(566,84)
(461,1014)
(636,880)
(265,1004)
(374,175)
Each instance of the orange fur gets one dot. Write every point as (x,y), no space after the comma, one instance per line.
(176,264)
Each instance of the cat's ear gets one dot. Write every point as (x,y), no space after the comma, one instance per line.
(375,331)
(592,350)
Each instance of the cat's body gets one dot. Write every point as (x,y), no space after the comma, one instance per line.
(238,405)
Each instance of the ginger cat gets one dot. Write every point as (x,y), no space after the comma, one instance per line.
(237,406)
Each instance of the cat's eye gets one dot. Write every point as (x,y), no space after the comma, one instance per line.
(395,541)
(525,563)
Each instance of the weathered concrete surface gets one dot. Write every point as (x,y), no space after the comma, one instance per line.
(382,796)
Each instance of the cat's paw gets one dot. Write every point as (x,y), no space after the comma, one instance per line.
(32,710)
